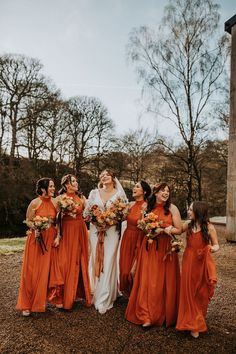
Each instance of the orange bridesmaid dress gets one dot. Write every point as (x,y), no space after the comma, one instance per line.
(155,293)
(197,284)
(130,245)
(36,265)
(69,277)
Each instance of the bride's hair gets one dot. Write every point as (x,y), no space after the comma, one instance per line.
(111,173)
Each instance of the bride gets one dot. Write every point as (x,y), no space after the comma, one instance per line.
(103,267)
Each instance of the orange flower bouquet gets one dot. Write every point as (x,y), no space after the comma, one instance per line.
(38,224)
(176,244)
(120,207)
(68,206)
(108,216)
(103,219)
(150,225)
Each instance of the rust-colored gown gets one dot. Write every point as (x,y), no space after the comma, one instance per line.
(197,284)
(130,246)
(36,265)
(155,293)
(69,277)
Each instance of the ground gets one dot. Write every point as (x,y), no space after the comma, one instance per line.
(83,330)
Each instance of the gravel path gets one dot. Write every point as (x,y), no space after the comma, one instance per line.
(83,330)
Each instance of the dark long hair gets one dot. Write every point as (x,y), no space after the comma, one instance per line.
(146,189)
(65,180)
(200,211)
(152,199)
(42,183)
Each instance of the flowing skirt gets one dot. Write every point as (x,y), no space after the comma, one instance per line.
(197,288)
(35,273)
(155,293)
(69,278)
(104,288)
(129,251)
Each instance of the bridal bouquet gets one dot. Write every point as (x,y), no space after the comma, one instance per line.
(109,216)
(120,207)
(103,219)
(150,224)
(68,206)
(39,223)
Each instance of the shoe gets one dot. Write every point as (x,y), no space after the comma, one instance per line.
(194,334)
(59,306)
(146,325)
(102,311)
(26,313)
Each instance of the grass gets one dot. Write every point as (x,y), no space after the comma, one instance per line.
(12,245)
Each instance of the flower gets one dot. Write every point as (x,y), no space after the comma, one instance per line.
(176,244)
(38,223)
(150,224)
(108,216)
(68,206)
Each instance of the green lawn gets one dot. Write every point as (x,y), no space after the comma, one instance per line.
(12,245)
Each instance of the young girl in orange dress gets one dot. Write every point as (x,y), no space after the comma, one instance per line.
(69,278)
(38,250)
(155,293)
(198,270)
(132,237)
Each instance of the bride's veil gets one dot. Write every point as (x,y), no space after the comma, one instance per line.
(120,189)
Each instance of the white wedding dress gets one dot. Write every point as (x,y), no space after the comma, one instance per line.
(104,288)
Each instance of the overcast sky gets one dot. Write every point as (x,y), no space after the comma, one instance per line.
(81,44)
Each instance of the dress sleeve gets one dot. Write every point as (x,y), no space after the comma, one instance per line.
(91,198)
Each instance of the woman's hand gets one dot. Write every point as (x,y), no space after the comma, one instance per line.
(57,241)
(36,233)
(133,269)
(159,231)
(214,248)
(102,228)
(168,229)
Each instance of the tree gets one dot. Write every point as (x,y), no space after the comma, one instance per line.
(138,144)
(20,79)
(37,122)
(181,70)
(3,126)
(87,126)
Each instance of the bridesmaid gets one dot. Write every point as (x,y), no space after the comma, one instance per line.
(155,293)
(36,261)
(198,270)
(133,236)
(69,277)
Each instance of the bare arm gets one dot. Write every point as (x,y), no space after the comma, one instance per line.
(84,201)
(214,247)
(34,204)
(176,228)
(55,203)
(185,226)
